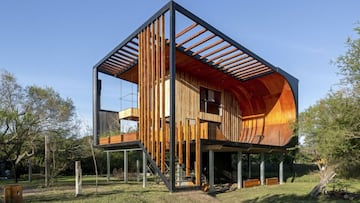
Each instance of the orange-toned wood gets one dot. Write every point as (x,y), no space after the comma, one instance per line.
(200,42)
(221,55)
(251,182)
(115,139)
(180,143)
(162,73)
(187,143)
(128,137)
(187,29)
(152,70)
(215,51)
(207,47)
(272,181)
(197,153)
(104,140)
(157,97)
(191,37)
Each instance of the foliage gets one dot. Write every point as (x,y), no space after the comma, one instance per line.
(332,126)
(27,115)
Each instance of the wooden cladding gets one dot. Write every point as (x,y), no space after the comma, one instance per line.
(151,71)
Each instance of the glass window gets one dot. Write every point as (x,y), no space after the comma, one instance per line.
(210,101)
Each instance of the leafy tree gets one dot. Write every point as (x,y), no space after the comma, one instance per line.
(27,115)
(332,126)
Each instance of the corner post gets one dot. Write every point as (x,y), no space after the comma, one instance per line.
(172,66)
(96,105)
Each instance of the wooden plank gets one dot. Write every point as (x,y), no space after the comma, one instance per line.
(187,29)
(191,37)
(207,47)
(197,153)
(196,44)
(163,61)
(153,154)
(180,142)
(221,55)
(157,99)
(187,143)
(251,183)
(215,51)
(147,90)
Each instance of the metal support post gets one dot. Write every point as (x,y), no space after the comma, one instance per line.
(281,169)
(108,167)
(211,170)
(144,169)
(262,169)
(239,169)
(125,166)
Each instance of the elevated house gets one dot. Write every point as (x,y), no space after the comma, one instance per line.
(199,93)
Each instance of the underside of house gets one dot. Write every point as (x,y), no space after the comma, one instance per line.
(198,92)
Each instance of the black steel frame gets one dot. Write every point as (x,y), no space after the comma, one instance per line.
(172,7)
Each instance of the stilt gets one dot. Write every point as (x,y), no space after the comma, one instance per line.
(239,169)
(137,170)
(144,169)
(281,169)
(262,169)
(107,167)
(211,170)
(249,165)
(125,166)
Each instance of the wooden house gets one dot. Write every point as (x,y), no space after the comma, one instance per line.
(199,93)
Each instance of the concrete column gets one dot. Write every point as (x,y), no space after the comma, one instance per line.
(125,166)
(262,169)
(249,166)
(144,170)
(239,169)
(211,170)
(281,169)
(107,167)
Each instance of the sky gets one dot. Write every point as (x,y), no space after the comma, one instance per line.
(57,43)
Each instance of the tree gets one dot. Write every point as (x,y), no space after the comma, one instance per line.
(332,126)
(27,115)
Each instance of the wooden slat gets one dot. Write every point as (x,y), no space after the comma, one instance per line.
(163,61)
(147,89)
(191,37)
(208,47)
(197,153)
(157,99)
(243,66)
(152,67)
(238,63)
(221,55)
(245,70)
(215,51)
(236,57)
(180,141)
(128,52)
(187,29)
(131,48)
(196,44)
(127,56)
(187,143)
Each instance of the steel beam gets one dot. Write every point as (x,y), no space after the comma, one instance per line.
(107,167)
(211,170)
(125,166)
(96,106)
(239,169)
(281,169)
(262,168)
(172,66)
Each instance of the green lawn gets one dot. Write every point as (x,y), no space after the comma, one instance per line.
(116,191)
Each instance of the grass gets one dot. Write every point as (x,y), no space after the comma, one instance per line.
(116,191)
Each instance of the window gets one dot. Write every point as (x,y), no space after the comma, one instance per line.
(210,101)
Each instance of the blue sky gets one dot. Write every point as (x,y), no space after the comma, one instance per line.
(56,43)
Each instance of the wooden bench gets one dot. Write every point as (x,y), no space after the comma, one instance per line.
(272,181)
(251,183)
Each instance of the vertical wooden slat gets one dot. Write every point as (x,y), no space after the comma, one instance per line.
(187,143)
(157,100)
(197,152)
(163,147)
(147,90)
(180,138)
(152,82)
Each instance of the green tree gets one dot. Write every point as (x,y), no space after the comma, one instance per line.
(332,126)
(27,115)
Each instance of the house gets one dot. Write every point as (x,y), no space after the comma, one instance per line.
(198,93)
